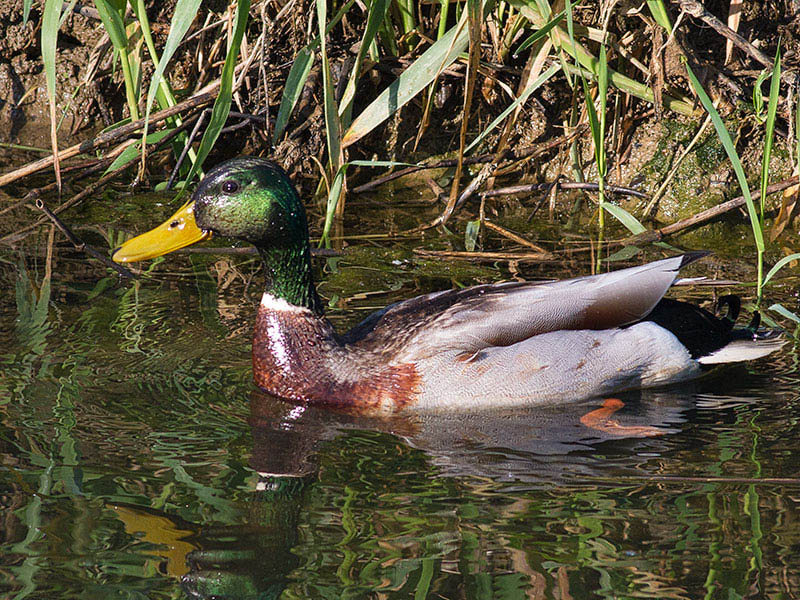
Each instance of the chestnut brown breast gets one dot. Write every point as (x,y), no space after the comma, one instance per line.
(297,356)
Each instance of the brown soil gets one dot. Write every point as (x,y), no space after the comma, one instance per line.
(643,139)
(24,112)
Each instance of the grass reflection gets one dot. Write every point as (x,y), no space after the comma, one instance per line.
(136,462)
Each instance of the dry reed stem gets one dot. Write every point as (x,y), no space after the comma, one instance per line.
(734,18)
(108,136)
(485,256)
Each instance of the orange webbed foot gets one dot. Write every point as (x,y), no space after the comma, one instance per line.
(600,420)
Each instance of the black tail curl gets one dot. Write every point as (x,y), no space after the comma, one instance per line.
(703,332)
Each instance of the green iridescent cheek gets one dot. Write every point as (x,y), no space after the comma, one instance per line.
(244,219)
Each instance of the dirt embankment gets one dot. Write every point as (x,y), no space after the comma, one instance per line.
(24,112)
(642,145)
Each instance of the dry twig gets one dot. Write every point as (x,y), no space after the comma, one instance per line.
(484,256)
(705,216)
(697,10)
(514,237)
(80,244)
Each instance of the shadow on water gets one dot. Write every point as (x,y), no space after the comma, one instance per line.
(138,462)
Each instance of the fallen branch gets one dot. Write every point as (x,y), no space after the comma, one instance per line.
(656,235)
(90,167)
(88,190)
(80,244)
(106,138)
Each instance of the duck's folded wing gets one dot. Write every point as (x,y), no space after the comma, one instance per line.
(503,314)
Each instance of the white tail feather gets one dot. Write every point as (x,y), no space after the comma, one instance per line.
(740,350)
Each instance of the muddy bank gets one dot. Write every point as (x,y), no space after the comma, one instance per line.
(644,142)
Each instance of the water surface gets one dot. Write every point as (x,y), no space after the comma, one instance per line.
(139,462)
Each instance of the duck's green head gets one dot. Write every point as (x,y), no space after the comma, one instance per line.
(247,198)
(250,199)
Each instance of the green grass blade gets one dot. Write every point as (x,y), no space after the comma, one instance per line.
(377,13)
(600,146)
(112,13)
(637,89)
(602,90)
(594,121)
(785,312)
(758,98)
(292,90)
(730,150)
(182,18)
(540,33)
(780,264)
(160,89)
(411,82)
(571,37)
(597,124)
(333,201)
(112,18)
(129,153)
(624,253)
(222,105)
(736,163)
(471,235)
(26,11)
(66,10)
(50,25)
(511,107)
(591,111)
(444,6)
(406,10)
(659,12)
(623,216)
(561,41)
(769,134)
(298,75)
(333,133)
(388,38)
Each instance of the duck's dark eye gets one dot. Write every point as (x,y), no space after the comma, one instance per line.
(229,187)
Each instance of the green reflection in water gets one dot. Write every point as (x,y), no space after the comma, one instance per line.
(136,463)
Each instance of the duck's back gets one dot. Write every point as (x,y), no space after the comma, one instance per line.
(503,314)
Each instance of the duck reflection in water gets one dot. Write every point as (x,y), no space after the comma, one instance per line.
(601,439)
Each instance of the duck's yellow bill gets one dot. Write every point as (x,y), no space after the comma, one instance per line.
(179,231)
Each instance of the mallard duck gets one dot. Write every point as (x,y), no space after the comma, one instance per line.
(497,345)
